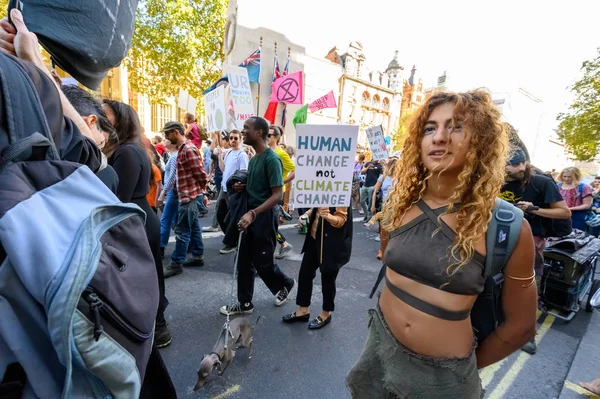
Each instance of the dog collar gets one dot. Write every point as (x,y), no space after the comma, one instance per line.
(215,353)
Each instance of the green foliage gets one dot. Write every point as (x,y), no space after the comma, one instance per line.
(3,8)
(176,44)
(580,127)
(399,135)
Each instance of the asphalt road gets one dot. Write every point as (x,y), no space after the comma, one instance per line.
(290,361)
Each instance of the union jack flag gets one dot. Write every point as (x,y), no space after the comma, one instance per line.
(276,71)
(286,69)
(253,59)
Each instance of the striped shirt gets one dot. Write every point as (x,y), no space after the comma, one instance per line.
(191,179)
(170,172)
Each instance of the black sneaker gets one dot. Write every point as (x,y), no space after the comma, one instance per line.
(227,249)
(530,347)
(194,261)
(162,252)
(284,294)
(173,269)
(162,336)
(238,308)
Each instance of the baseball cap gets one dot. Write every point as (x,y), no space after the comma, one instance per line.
(169,126)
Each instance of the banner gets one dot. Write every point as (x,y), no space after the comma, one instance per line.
(327,101)
(214,103)
(324,165)
(377,143)
(241,94)
(287,89)
(186,102)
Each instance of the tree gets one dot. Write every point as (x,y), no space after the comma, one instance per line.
(399,135)
(176,44)
(580,127)
(3,8)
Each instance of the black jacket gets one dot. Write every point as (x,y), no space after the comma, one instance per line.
(238,206)
(337,242)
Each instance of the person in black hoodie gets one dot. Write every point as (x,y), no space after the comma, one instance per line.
(328,247)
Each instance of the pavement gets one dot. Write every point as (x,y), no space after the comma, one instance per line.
(289,361)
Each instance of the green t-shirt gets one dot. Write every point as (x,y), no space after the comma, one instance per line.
(265,171)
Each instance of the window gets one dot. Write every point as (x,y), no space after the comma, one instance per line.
(376,101)
(161,114)
(386,104)
(366,99)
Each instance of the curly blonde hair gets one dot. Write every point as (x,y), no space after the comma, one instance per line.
(479,182)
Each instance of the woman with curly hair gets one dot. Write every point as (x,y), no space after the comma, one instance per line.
(421,342)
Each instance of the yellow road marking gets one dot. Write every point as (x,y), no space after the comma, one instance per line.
(580,390)
(228,392)
(487,374)
(517,366)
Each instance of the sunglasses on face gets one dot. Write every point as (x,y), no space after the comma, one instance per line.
(234,138)
(272,134)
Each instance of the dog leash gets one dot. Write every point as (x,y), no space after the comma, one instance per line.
(233,284)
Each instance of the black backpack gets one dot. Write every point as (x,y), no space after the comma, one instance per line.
(501,238)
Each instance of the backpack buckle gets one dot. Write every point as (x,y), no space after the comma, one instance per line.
(498,278)
(505,216)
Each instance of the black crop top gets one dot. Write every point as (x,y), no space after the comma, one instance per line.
(415,252)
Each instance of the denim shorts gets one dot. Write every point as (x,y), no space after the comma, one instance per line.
(387,370)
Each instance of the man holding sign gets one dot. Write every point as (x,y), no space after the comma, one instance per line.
(265,190)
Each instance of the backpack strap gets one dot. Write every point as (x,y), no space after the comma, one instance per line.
(501,238)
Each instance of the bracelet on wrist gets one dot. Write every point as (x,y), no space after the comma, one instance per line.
(253,214)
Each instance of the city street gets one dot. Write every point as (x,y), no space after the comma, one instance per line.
(290,361)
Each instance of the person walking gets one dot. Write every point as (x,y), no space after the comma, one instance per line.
(168,197)
(372,170)
(385,183)
(265,191)
(133,165)
(191,182)
(327,248)
(289,173)
(421,342)
(577,195)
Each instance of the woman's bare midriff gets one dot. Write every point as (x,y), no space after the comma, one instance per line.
(422,333)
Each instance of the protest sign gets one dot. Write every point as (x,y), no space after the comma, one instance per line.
(215,109)
(327,101)
(287,89)
(324,165)
(241,94)
(377,143)
(186,102)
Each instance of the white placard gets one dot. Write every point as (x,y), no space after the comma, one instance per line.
(215,110)
(241,94)
(186,102)
(324,165)
(377,143)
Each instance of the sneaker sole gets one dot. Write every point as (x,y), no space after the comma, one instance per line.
(224,252)
(224,312)
(289,294)
(194,264)
(165,344)
(174,274)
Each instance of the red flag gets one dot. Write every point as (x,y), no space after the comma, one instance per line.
(271,112)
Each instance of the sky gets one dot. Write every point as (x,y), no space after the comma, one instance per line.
(502,45)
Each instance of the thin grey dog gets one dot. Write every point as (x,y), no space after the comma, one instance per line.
(239,332)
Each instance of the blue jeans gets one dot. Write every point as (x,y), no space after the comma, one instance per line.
(188,231)
(168,217)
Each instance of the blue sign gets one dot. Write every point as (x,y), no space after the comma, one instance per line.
(388,140)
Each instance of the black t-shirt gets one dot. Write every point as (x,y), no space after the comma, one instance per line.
(540,191)
(372,175)
(109,177)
